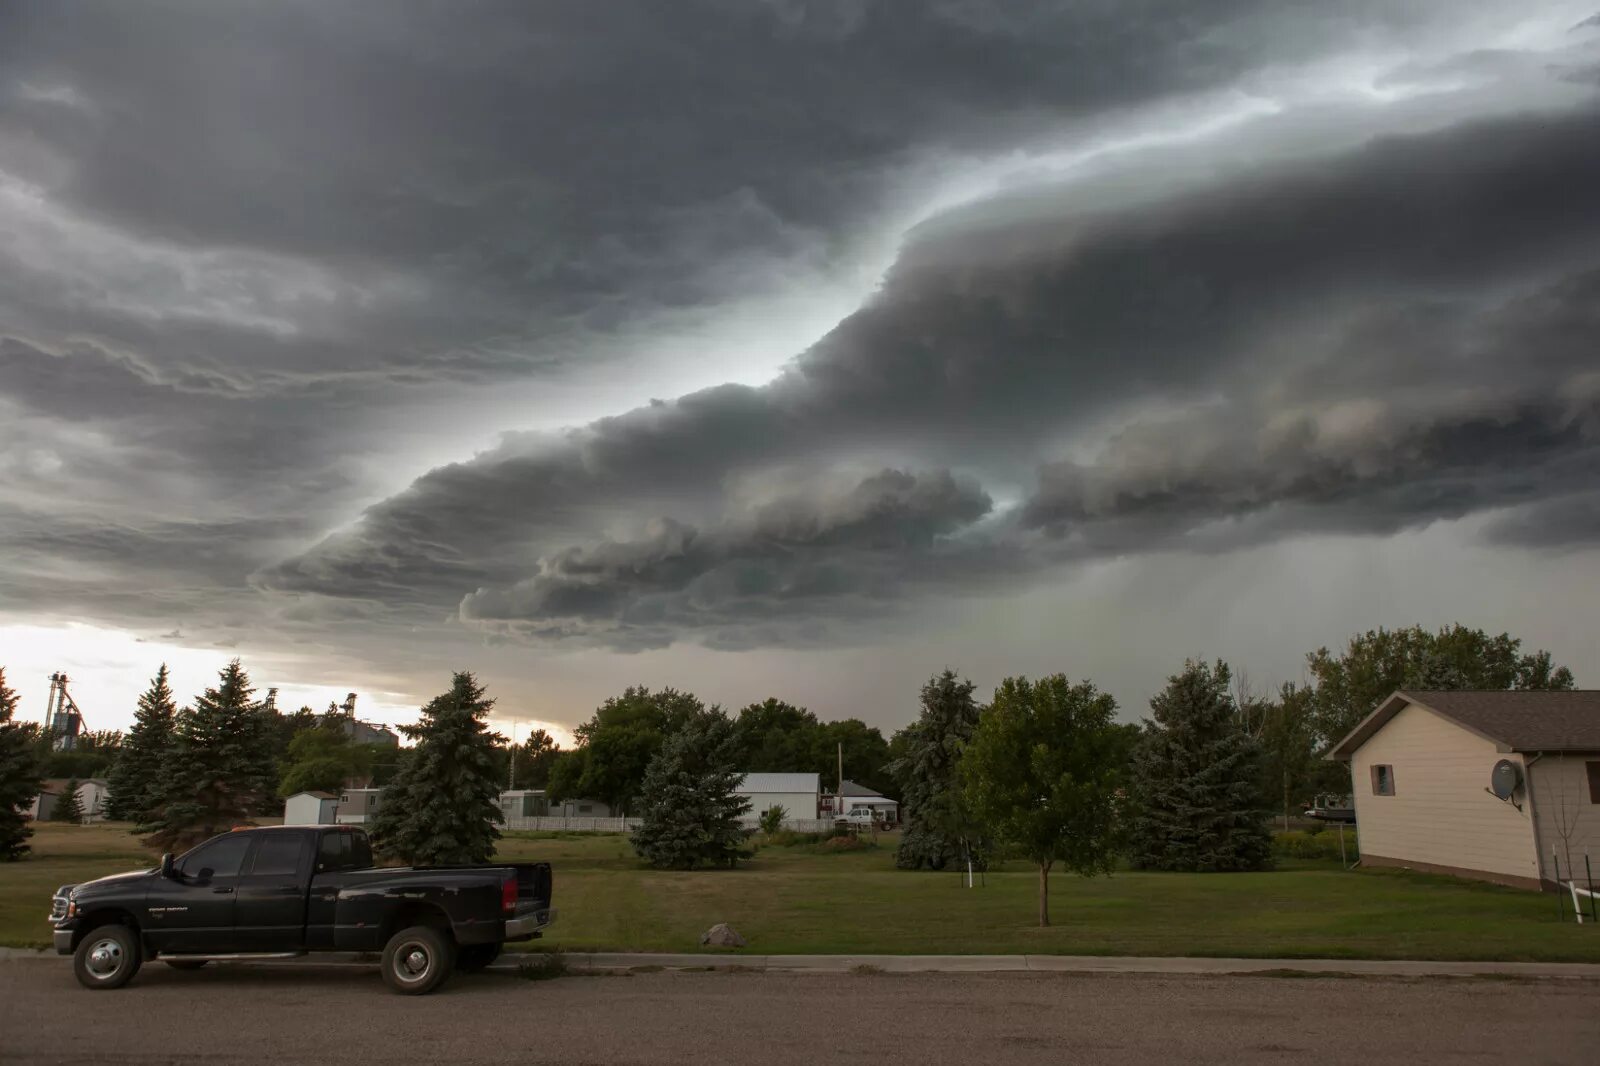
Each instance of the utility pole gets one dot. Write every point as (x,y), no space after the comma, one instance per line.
(839,795)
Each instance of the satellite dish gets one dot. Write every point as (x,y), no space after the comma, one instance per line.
(1505,779)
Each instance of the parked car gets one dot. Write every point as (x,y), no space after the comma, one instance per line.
(286,891)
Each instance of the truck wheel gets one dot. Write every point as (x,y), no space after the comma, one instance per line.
(107,957)
(186,964)
(475,958)
(417,960)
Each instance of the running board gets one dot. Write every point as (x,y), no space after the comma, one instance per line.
(236,957)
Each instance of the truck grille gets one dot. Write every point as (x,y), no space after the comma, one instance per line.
(58,908)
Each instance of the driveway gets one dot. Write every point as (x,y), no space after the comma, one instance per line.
(318,1015)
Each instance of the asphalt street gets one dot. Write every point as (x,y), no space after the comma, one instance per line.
(292,1014)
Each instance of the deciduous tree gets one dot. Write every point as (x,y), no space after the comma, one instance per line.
(1042,771)
(324,759)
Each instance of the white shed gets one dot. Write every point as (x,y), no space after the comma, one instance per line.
(310,808)
(797,794)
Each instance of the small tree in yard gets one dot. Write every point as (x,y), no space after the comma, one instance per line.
(1042,772)
(1197,781)
(69,808)
(691,811)
(443,806)
(939,829)
(772,819)
(19,777)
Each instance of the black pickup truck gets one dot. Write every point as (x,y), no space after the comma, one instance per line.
(284,891)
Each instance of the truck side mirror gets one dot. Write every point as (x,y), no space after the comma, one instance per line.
(166,865)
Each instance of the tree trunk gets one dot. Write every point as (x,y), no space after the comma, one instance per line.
(1044,894)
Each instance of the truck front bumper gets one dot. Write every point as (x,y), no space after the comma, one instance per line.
(62,938)
(527,926)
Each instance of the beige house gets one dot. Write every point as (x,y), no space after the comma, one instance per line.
(1422,764)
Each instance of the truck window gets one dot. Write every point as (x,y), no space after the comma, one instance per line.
(334,852)
(278,855)
(222,856)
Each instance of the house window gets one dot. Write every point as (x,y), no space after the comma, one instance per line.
(1383,780)
(1594,781)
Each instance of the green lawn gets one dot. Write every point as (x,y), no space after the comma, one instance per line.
(795,900)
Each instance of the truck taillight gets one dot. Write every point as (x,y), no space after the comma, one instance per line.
(508,894)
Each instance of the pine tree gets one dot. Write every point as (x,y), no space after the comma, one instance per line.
(69,808)
(1197,781)
(688,800)
(136,784)
(19,777)
(443,807)
(212,777)
(939,829)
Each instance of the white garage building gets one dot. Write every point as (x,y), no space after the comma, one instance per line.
(797,794)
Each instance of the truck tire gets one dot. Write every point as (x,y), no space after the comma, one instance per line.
(475,958)
(417,960)
(107,957)
(186,964)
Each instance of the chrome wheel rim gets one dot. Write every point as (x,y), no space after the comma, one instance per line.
(412,962)
(104,958)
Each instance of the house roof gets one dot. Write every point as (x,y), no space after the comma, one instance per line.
(1512,721)
(848,787)
(781,783)
(57,785)
(318,794)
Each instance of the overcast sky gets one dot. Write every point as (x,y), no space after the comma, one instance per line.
(788,348)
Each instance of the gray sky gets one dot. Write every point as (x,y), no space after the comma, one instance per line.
(786,348)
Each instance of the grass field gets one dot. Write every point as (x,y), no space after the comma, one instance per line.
(797,900)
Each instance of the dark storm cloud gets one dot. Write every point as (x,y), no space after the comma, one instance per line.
(246,245)
(1371,342)
(831,551)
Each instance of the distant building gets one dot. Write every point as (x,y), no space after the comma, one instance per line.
(92,794)
(358,806)
(581,808)
(524,803)
(311,808)
(797,794)
(852,796)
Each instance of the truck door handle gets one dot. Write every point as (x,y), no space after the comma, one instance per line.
(222,891)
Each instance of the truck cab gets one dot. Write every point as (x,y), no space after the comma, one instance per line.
(286,891)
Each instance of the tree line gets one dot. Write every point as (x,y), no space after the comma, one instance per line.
(1042,771)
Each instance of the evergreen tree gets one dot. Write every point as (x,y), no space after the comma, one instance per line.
(136,784)
(1197,781)
(69,808)
(19,777)
(443,806)
(939,828)
(690,810)
(213,776)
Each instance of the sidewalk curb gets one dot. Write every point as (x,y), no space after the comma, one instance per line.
(623,962)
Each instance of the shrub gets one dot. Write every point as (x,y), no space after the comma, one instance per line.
(847,842)
(543,966)
(1321,844)
(772,819)
(789,838)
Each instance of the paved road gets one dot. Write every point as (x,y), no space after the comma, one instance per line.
(344,1016)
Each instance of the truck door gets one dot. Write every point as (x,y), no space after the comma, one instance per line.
(192,911)
(271,912)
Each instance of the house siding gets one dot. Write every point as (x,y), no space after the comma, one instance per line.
(1440,815)
(797,806)
(1560,787)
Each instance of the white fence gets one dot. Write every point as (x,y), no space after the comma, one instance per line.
(628,825)
(577,825)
